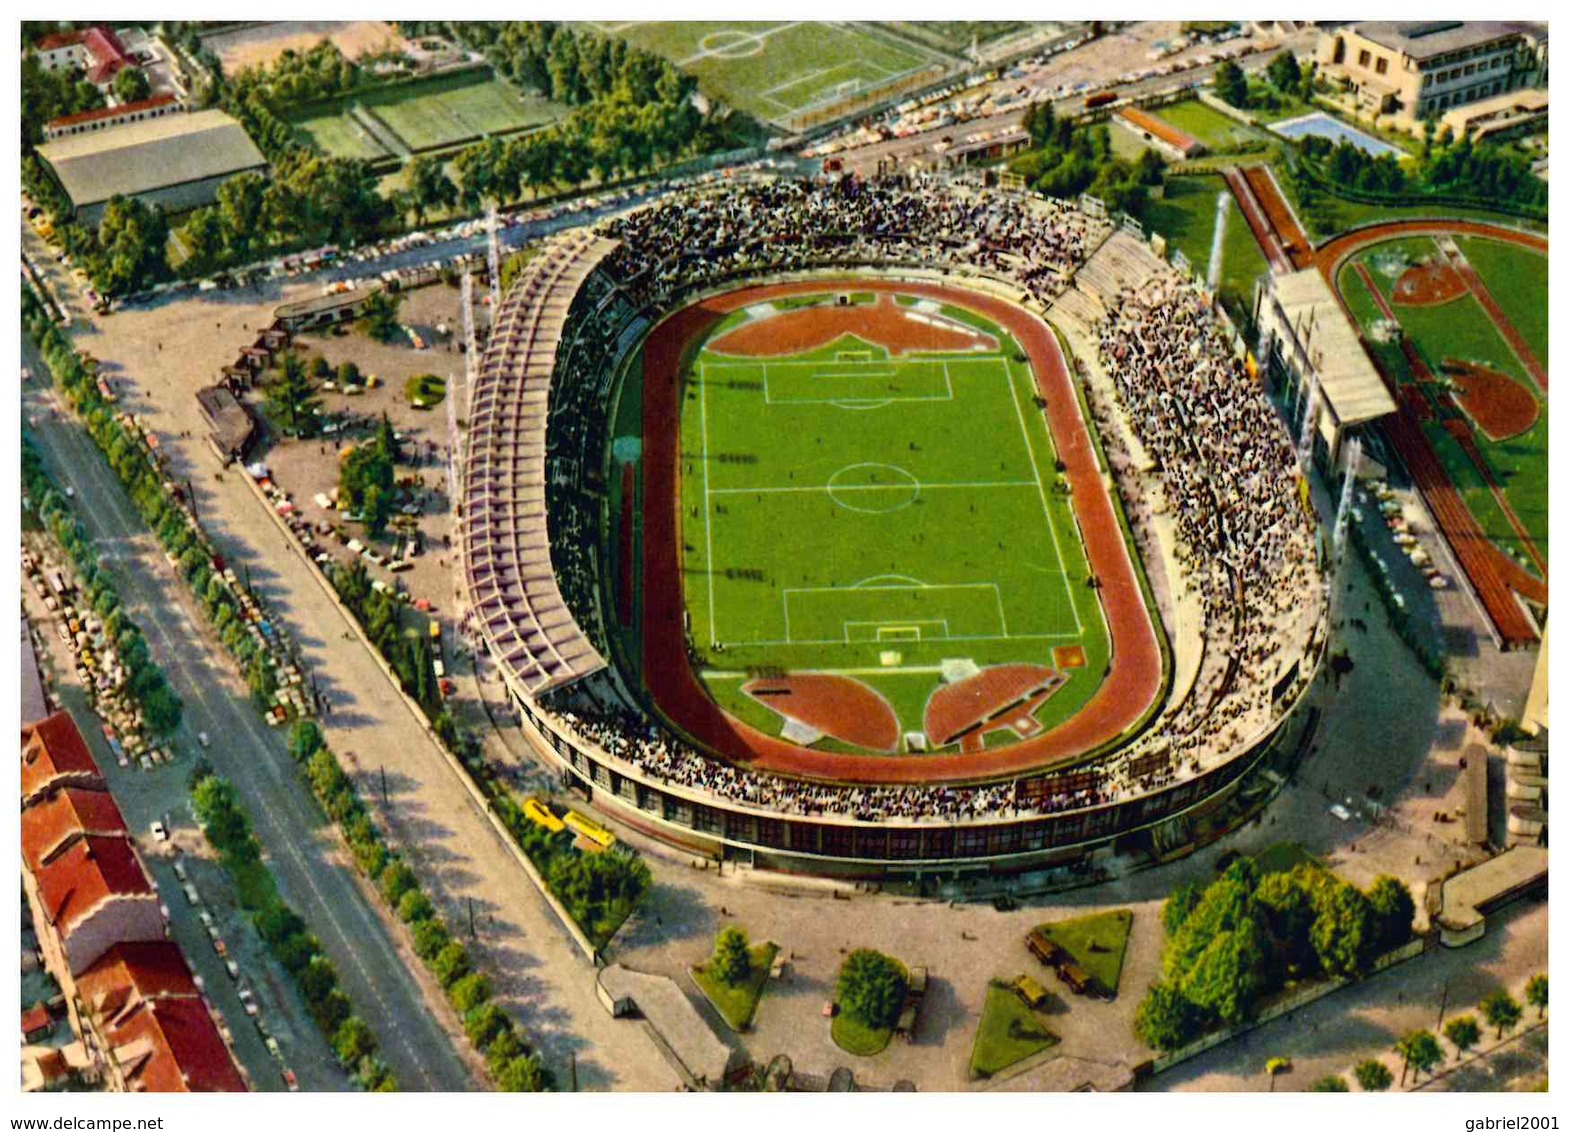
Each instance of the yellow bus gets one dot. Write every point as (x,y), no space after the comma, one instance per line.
(590,831)
(539,813)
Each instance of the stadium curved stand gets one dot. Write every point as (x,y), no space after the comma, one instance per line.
(506,532)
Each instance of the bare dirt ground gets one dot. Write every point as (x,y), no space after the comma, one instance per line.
(259,46)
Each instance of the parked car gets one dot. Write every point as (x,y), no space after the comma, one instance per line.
(159,831)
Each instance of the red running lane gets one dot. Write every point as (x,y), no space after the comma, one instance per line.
(1123,698)
(1253,213)
(1292,239)
(1516,340)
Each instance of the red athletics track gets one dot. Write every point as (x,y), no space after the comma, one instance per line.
(1121,701)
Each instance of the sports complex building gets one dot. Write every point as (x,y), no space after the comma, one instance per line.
(889,529)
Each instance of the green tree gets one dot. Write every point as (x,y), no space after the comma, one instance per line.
(131,85)
(354,1041)
(732,960)
(520,1075)
(1501,1011)
(1285,74)
(1165,1020)
(1536,994)
(1334,1083)
(131,239)
(1231,84)
(468,992)
(1180,904)
(1393,911)
(430,188)
(1418,1050)
(1342,931)
(1373,1076)
(451,963)
(1463,1033)
(484,1024)
(379,315)
(291,400)
(871,987)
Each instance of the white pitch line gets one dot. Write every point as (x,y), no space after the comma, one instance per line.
(803,489)
(1062,562)
(708,515)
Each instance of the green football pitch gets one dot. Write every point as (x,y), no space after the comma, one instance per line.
(773,70)
(849,511)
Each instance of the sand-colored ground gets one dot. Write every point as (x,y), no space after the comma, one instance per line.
(259,46)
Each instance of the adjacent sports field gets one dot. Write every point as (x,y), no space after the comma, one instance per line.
(773,70)
(869,490)
(1218,132)
(1492,384)
(417,117)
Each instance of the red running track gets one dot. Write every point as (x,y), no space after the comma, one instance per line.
(1293,240)
(1124,697)
(1495,578)
(1258,222)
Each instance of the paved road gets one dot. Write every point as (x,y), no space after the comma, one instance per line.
(916,150)
(301,845)
(158,355)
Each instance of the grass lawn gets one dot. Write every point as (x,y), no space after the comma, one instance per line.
(1009,1031)
(339,135)
(1208,125)
(854,1036)
(1097,943)
(1517,278)
(737,1004)
(1283,856)
(1186,215)
(917,494)
(427,120)
(774,69)
(1242,262)
(425,391)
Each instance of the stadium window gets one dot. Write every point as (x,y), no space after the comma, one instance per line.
(705,819)
(1382,66)
(741,827)
(939,843)
(1363,58)
(838,841)
(678,811)
(771,832)
(972,842)
(871,843)
(1470,69)
(904,844)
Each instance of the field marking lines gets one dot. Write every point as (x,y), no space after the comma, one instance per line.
(920,484)
(873,369)
(845,626)
(1051,522)
(760,38)
(708,519)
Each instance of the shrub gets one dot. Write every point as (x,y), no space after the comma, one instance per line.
(484,1024)
(468,992)
(396,880)
(415,907)
(430,937)
(451,964)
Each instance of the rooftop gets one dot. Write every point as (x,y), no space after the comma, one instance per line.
(52,823)
(172,1045)
(54,752)
(130,972)
(1426,40)
(91,870)
(1346,374)
(156,153)
(124,110)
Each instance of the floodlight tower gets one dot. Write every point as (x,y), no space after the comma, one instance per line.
(491,223)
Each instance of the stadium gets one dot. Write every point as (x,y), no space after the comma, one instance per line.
(885,530)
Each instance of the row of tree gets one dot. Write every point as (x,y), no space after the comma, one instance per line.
(145,682)
(1486,172)
(1420,1052)
(157,500)
(1243,936)
(228,827)
(1066,159)
(511,1063)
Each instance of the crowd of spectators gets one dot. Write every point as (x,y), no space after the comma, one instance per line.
(1246,540)
(687,241)
(1229,480)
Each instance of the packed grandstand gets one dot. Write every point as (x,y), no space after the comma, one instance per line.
(1244,549)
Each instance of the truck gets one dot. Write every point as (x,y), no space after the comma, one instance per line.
(909,1014)
(1044,949)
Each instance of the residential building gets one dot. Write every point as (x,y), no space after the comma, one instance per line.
(1413,70)
(96,51)
(143,1021)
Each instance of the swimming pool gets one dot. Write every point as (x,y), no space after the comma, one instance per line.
(1321,125)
